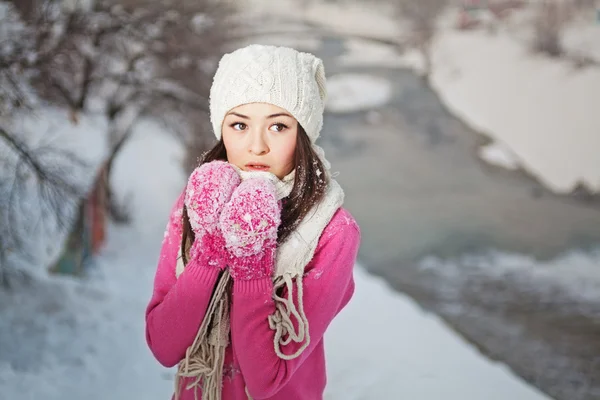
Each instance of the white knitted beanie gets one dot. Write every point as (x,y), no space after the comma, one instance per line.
(281,76)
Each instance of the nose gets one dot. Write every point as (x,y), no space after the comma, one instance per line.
(258,145)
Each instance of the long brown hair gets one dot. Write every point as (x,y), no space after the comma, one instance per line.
(309,187)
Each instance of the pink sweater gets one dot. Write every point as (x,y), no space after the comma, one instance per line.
(177,308)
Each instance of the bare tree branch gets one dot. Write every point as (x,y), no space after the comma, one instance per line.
(28,157)
(38,192)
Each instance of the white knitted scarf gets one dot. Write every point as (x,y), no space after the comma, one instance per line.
(205,357)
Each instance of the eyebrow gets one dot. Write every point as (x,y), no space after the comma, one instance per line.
(238,115)
(279,115)
(269,117)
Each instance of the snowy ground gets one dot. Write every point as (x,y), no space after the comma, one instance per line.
(66,339)
(400,352)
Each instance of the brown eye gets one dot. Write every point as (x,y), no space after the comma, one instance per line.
(238,126)
(278,127)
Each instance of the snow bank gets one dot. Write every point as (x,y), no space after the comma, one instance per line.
(573,275)
(545,111)
(497,153)
(356,92)
(361,52)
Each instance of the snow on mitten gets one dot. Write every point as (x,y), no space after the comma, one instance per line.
(209,188)
(249,224)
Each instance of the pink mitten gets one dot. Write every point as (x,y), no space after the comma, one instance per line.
(249,224)
(209,188)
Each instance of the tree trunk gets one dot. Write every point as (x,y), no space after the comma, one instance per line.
(425,49)
(76,247)
(117,212)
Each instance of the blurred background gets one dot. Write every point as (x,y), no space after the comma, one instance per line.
(466,135)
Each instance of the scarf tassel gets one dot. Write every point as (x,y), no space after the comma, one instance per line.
(281,320)
(204,359)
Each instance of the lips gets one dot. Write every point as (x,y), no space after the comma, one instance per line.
(257,167)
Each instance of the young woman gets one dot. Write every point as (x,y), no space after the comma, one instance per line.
(258,254)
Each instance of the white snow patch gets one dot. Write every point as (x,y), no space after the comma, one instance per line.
(361,52)
(574,274)
(356,92)
(51,126)
(497,153)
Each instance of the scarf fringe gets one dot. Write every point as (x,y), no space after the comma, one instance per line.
(204,359)
(281,321)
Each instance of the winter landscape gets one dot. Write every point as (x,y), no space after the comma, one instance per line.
(468,154)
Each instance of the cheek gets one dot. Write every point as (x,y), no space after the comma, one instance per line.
(231,148)
(287,150)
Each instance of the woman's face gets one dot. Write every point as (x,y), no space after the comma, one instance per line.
(260,137)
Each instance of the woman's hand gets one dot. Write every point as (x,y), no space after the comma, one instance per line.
(249,224)
(209,188)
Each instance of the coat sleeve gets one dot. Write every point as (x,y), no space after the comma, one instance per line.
(177,306)
(328,287)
